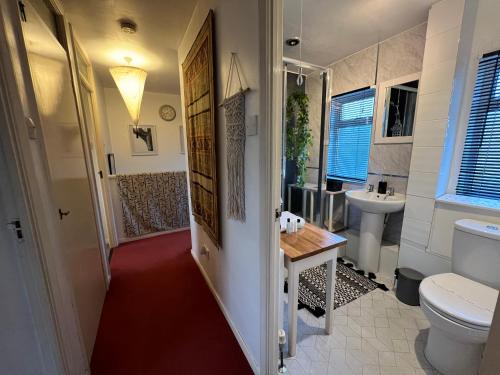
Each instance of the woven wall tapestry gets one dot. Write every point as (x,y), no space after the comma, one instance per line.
(234,107)
(153,202)
(198,77)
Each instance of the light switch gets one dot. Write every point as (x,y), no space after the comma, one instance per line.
(251,123)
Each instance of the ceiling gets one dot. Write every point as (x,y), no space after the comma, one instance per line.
(334,29)
(160,27)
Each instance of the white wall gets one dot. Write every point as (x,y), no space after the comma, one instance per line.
(101,114)
(455,40)
(234,269)
(169,157)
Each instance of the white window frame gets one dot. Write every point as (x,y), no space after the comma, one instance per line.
(463,117)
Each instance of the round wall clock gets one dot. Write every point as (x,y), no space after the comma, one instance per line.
(167,112)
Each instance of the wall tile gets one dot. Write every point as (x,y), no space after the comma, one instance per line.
(422,184)
(430,133)
(445,15)
(419,208)
(438,77)
(402,54)
(426,159)
(441,47)
(390,158)
(354,72)
(413,256)
(416,231)
(433,106)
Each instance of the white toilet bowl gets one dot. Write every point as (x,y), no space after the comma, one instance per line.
(460,312)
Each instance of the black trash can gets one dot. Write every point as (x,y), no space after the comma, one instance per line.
(408,282)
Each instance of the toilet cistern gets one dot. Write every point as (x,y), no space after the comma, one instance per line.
(374,207)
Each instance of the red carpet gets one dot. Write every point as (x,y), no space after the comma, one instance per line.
(159,316)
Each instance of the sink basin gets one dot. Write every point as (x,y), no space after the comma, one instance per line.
(374,202)
(374,208)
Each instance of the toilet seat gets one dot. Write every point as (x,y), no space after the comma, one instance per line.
(461,300)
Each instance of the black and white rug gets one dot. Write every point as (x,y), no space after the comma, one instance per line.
(350,285)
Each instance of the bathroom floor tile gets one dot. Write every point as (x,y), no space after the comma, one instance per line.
(375,334)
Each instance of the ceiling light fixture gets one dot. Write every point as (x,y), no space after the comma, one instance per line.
(128,26)
(130,82)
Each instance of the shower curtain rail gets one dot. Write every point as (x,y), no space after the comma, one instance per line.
(304,64)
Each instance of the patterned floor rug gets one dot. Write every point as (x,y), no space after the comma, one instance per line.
(350,285)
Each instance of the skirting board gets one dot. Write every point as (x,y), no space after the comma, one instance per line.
(236,333)
(149,235)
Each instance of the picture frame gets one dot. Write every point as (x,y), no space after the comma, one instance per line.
(144,144)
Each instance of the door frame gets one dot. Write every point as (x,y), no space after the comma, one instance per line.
(67,43)
(271,73)
(31,269)
(45,276)
(89,84)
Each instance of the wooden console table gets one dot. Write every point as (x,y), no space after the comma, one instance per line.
(309,247)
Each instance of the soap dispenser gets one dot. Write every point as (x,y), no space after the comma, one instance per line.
(382,186)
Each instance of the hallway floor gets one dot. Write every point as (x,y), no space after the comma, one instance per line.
(160,317)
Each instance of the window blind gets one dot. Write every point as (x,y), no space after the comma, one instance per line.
(351,119)
(479,174)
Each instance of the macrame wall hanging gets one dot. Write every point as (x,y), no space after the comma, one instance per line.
(234,107)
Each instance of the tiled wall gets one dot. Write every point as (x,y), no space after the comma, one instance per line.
(459,32)
(398,56)
(434,97)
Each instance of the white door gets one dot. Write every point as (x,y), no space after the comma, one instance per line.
(20,348)
(67,170)
(98,173)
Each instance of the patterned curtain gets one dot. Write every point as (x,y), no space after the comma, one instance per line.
(153,202)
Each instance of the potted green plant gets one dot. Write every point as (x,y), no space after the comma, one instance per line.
(299,136)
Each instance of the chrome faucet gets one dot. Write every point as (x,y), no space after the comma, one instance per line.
(390,191)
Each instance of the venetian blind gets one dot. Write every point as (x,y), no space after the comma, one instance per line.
(480,169)
(351,119)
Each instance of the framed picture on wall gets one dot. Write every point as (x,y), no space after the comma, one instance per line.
(143,140)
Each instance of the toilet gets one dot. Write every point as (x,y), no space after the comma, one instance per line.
(460,305)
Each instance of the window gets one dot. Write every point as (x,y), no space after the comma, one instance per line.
(480,169)
(351,119)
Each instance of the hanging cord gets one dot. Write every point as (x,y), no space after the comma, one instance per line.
(300,79)
(232,65)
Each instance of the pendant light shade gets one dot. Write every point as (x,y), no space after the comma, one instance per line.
(130,82)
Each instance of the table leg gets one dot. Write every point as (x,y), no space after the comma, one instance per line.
(311,209)
(293,294)
(330,293)
(330,213)
(304,203)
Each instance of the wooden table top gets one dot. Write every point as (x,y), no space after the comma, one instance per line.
(309,241)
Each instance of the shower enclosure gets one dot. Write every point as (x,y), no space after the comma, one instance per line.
(310,199)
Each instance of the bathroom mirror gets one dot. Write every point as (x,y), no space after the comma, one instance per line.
(396,109)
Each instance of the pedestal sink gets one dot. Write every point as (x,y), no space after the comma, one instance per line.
(374,207)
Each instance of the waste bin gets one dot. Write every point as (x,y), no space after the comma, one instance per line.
(408,282)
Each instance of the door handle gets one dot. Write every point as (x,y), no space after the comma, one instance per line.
(62,214)
(15,226)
